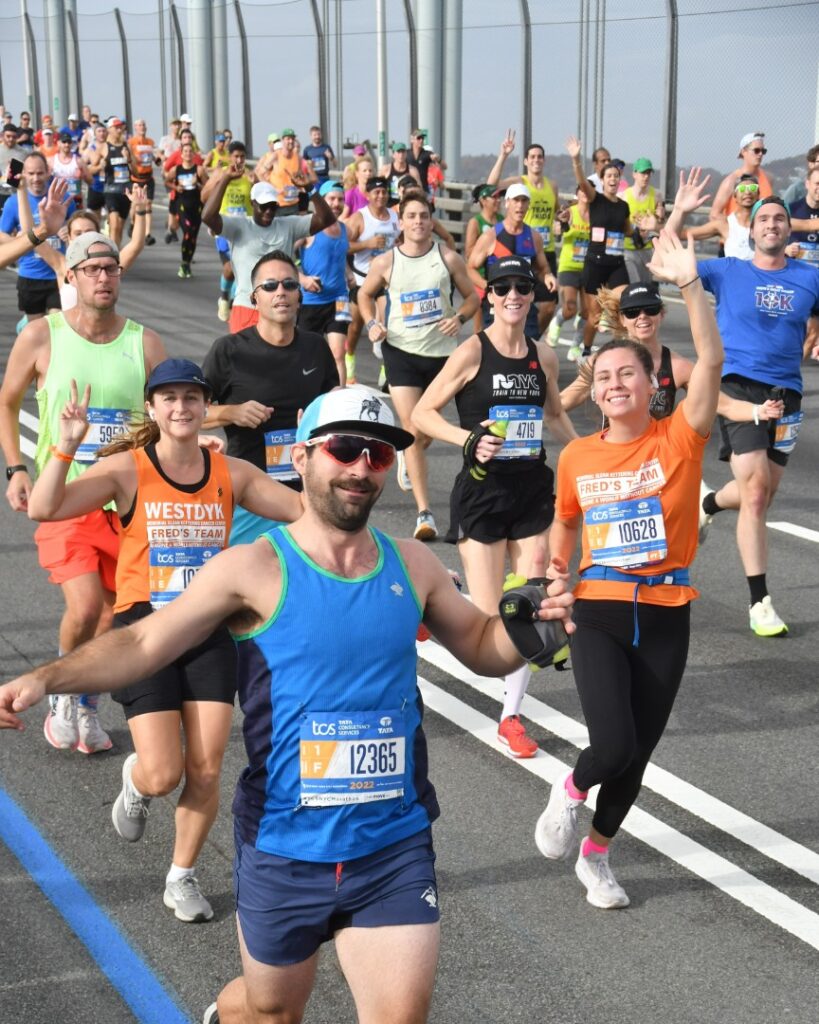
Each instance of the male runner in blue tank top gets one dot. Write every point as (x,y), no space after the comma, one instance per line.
(333,812)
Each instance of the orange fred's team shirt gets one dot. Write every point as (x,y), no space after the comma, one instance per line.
(638,507)
(279,178)
(172,530)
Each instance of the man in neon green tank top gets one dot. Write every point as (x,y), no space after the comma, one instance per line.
(94,345)
(647,215)
(544,201)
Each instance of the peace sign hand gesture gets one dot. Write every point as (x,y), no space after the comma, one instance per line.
(74,419)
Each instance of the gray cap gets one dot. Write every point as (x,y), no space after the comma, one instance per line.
(78,250)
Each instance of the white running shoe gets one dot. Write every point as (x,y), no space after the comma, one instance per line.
(185,899)
(764,620)
(556,829)
(553,332)
(223,310)
(705,519)
(211,1015)
(130,810)
(93,738)
(425,528)
(404,481)
(602,888)
(574,354)
(60,726)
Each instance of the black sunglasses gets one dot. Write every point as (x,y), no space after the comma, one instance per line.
(290,284)
(521,287)
(632,314)
(758,151)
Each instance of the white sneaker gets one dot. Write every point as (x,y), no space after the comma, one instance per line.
(60,726)
(764,620)
(602,888)
(425,528)
(556,828)
(130,810)
(185,899)
(553,332)
(223,310)
(574,353)
(705,519)
(211,1015)
(93,738)
(404,481)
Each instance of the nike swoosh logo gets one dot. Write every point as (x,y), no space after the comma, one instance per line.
(306,372)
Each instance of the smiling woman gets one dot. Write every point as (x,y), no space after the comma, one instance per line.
(175,502)
(631,491)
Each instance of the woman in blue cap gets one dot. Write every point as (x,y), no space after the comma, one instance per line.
(175,503)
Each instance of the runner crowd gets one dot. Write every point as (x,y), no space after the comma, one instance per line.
(185,561)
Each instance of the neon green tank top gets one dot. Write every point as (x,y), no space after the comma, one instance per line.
(236,200)
(541,213)
(575,242)
(638,208)
(116,372)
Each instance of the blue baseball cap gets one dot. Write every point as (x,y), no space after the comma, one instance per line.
(331,186)
(352,411)
(219,138)
(177,371)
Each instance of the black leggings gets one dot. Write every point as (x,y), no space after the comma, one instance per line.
(190,220)
(626,694)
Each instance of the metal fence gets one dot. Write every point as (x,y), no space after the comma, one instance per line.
(598,67)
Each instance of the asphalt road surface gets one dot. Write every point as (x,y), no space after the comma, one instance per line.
(720,856)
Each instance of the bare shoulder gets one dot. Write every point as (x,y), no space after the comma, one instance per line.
(424,568)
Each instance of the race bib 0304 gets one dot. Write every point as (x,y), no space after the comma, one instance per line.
(351,757)
(626,534)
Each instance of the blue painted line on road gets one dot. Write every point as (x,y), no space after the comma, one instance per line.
(133,979)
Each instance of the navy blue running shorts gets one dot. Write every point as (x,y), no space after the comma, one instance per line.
(288,908)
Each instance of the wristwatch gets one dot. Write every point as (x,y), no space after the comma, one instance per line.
(372,323)
(34,238)
(461,319)
(11,470)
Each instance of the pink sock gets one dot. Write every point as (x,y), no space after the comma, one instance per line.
(573,791)
(590,847)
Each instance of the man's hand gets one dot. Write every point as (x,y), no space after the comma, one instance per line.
(299,179)
(550,281)
(310,284)
(19,490)
(17,696)
(138,195)
(251,414)
(671,261)
(508,143)
(573,147)
(689,195)
(212,443)
(52,208)
(451,327)
(376,333)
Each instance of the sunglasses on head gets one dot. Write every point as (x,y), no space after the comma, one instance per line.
(632,314)
(347,449)
(504,287)
(290,284)
(747,186)
(758,151)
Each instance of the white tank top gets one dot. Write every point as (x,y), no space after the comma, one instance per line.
(69,172)
(374,226)
(419,298)
(736,244)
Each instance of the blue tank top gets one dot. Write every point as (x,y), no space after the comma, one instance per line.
(324,258)
(337,760)
(506,244)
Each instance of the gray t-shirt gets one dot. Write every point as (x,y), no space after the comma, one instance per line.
(249,242)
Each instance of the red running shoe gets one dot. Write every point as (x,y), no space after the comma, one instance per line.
(512,734)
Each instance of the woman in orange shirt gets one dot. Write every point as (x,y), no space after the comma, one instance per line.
(175,503)
(632,493)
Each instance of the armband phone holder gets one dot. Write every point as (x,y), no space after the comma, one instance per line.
(541,643)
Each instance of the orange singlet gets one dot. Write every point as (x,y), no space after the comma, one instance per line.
(171,530)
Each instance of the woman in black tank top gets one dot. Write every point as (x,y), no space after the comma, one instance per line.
(505,389)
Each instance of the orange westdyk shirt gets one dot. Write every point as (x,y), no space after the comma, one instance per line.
(171,530)
(639,507)
(143,151)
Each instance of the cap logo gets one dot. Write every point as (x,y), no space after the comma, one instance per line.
(371,409)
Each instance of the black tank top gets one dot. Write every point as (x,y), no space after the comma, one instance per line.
(117,170)
(607,225)
(662,401)
(501,381)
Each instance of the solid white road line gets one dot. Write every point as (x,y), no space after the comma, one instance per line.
(758,896)
(796,531)
(715,812)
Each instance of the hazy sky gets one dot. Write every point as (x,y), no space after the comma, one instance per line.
(753,66)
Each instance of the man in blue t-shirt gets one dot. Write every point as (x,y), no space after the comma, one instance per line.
(763,309)
(37,288)
(320,155)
